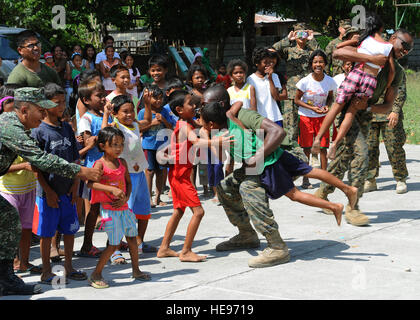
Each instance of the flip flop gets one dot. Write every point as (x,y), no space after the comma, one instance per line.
(93,253)
(31,269)
(50,279)
(77,275)
(143,277)
(55,259)
(148,248)
(115,256)
(96,283)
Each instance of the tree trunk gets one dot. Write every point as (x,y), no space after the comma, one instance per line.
(248,35)
(220,51)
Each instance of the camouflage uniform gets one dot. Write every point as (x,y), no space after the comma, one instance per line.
(15,140)
(297,67)
(394,139)
(352,151)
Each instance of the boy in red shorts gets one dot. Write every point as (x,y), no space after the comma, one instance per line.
(184,106)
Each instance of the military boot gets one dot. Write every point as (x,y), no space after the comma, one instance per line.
(370,185)
(356,217)
(322,195)
(11,284)
(246,239)
(275,253)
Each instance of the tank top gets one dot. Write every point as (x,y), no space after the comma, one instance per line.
(244,95)
(372,47)
(180,150)
(114,178)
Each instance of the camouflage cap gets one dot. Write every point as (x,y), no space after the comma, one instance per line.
(300,26)
(34,95)
(350,30)
(344,23)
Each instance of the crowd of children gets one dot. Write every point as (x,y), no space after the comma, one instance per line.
(122,131)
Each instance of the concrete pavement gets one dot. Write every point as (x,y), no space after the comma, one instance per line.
(379,261)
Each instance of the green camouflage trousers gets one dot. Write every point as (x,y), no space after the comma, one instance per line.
(244,199)
(394,140)
(10,230)
(351,156)
(291,119)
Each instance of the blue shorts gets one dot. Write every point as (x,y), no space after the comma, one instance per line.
(277,179)
(279,122)
(151,160)
(63,219)
(118,224)
(139,201)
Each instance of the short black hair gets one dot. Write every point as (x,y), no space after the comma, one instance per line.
(86,89)
(120,100)
(177,99)
(159,60)
(214,112)
(52,89)
(174,83)
(217,92)
(106,38)
(259,54)
(23,36)
(88,75)
(236,63)
(194,68)
(154,89)
(107,47)
(317,53)
(113,72)
(107,134)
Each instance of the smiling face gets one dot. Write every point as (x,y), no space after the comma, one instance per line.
(31,49)
(77,61)
(125,114)
(318,65)
(129,61)
(403,44)
(110,53)
(157,73)
(60,100)
(122,79)
(31,115)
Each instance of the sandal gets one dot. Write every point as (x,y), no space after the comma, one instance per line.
(148,248)
(93,253)
(77,275)
(31,269)
(124,246)
(143,277)
(49,281)
(117,255)
(98,284)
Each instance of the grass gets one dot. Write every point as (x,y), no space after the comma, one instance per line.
(412,108)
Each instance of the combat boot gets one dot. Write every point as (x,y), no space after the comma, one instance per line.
(370,185)
(244,240)
(275,253)
(11,284)
(356,217)
(322,195)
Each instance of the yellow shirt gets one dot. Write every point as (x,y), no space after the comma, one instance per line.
(18,182)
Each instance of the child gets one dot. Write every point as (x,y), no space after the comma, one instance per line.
(49,60)
(267,85)
(313,96)
(161,119)
(134,77)
(360,82)
(92,95)
(121,78)
(222,77)
(77,60)
(112,193)
(279,166)
(184,106)
(56,195)
(124,119)
(196,78)
(241,90)
(18,187)
(105,66)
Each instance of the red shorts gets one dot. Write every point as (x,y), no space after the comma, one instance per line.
(183,192)
(308,129)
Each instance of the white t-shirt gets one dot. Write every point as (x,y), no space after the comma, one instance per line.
(338,79)
(266,105)
(372,47)
(315,93)
(133,91)
(133,151)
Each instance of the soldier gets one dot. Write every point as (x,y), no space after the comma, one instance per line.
(346,31)
(391,127)
(14,141)
(352,153)
(295,50)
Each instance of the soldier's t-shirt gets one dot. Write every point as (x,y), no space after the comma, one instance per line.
(26,78)
(60,141)
(315,93)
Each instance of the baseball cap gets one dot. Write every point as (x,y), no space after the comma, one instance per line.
(34,95)
(48,55)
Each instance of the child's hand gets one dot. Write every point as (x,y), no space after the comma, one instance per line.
(378,59)
(325,109)
(73,193)
(319,110)
(147,97)
(29,167)
(158,116)
(118,193)
(223,139)
(155,122)
(91,142)
(52,198)
(119,202)
(108,108)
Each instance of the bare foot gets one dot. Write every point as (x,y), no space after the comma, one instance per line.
(352,196)
(338,211)
(164,253)
(191,257)
(331,151)
(316,147)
